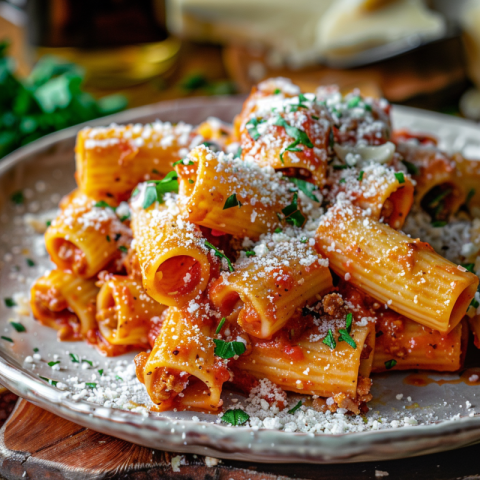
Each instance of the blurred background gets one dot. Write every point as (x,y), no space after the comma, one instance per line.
(63,62)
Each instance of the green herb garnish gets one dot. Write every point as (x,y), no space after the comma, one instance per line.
(439,223)
(50,381)
(278,230)
(155,189)
(291,148)
(412,169)
(90,384)
(469,267)
(52,364)
(348,322)
(18,327)
(227,350)
(220,325)
(48,223)
(117,377)
(295,408)
(329,340)
(251,126)
(293,215)
(103,204)
(181,161)
(9,302)
(360,176)
(305,187)
(87,361)
(345,337)
(123,249)
(17,198)
(219,254)
(400,177)
(299,135)
(390,364)
(232,201)
(100,371)
(250,253)
(340,167)
(235,417)
(74,358)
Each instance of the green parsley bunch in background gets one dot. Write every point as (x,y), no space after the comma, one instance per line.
(49,99)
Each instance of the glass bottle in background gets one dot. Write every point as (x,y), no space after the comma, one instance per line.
(118,42)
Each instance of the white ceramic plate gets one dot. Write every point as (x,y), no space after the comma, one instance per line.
(44,171)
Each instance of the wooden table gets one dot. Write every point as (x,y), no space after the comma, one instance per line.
(35,444)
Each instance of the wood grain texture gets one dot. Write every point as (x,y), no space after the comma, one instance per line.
(35,444)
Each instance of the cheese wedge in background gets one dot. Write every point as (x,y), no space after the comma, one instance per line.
(350,26)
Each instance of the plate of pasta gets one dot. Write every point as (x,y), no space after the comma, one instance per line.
(287,277)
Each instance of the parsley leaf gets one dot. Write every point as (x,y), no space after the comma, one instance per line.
(220,325)
(305,187)
(295,408)
(52,364)
(8,339)
(74,358)
(182,162)
(294,132)
(90,384)
(348,322)
(17,198)
(360,176)
(123,249)
(100,371)
(291,148)
(117,377)
(329,340)
(340,167)
(278,230)
(250,253)
(474,303)
(48,223)
(469,266)
(219,254)
(88,361)
(470,195)
(354,102)
(277,91)
(390,364)
(400,177)
(251,126)
(293,215)
(50,381)
(9,302)
(342,180)
(18,327)
(30,262)
(239,152)
(439,223)
(227,350)
(440,197)
(103,204)
(235,417)
(232,201)
(412,169)
(345,337)
(156,188)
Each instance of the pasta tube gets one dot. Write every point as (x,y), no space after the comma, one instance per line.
(84,238)
(111,161)
(172,255)
(403,344)
(231,195)
(184,348)
(66,303)
(394,269)
(265,290)
(124,311)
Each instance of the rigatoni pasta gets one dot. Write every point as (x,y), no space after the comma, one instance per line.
(267,255)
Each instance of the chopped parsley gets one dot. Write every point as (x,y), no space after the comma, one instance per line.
(295,408)
(74,358)
(36,350)
(278,230)
(155,171)
(88,361)
(239,152)
(470,195)
(291,148)
(305,187)
(474,303)
(235,417)
(315,117)
(18,327)
(340,167)
(103,204)
(250,253)
(117,377)
(123,249)
(304,240)
(277,91)
(412,169)
(469,266)
(48,223)
(182,161)
(227,350)
(342,180)
(157,188)
(348,322)
(436,201)
(50,381)
(90,384)
(329,340)
(232,201)
(211,145)
(299,135)
(108,238)
(9,302)
(439,223)
(400,177)
(251,126)
(219,254)
(52,364)
(7,339)
(354,102)
(345,337)
(17,198)
(293,215)
(390,364)
(100,372)
(220,325)
(30,262)
(360,176)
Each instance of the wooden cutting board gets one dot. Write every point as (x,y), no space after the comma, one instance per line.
(36,444)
